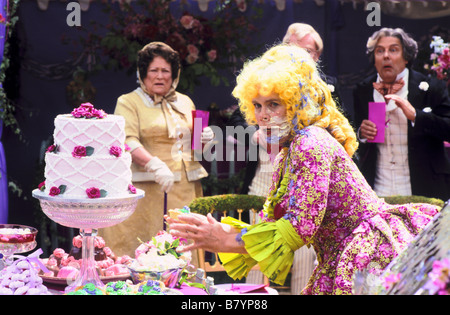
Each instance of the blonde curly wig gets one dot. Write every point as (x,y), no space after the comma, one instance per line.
(291,73)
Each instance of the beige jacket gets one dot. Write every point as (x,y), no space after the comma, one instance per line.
(145,126)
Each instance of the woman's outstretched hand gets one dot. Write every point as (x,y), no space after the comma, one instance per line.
(205,232)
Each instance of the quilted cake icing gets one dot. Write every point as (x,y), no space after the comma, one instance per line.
(88,158)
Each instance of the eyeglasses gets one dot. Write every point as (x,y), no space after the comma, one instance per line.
(392,51)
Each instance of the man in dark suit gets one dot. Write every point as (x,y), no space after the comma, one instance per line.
(412,159)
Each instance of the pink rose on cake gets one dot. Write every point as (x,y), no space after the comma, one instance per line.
(80,151)
(115,150)
(132,189)
(54,191)
(94,192)
(87,110)
(52,148)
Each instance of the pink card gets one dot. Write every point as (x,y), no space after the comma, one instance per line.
(377,115)
(200,120)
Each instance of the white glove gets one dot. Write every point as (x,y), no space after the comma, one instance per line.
(207,135)
(163,175)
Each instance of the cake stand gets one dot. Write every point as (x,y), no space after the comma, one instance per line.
(88,215)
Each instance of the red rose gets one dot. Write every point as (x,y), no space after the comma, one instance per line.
(93,192)
(79,151)
(54,191)
(41,186)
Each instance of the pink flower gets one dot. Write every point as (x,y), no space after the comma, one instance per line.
(93,192)
(54,191)
(362,260)
(115,150)
(87,110)
(127,148)
(79,151)
(187,21)
(132,189)
(212,55)
(190,59)
(193,50)
(77,241)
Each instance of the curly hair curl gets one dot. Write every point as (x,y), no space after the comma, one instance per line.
(291,73)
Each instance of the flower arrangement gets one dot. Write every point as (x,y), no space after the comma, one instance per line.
(205,45)
(440,58)
(158,259)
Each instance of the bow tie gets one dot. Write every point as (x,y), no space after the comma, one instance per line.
(385,88)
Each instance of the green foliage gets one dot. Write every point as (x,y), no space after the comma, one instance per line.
(206,46)
(399,200)
(226,202)
(8,106)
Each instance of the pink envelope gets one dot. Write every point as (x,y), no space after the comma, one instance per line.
(200,120)
(377,115)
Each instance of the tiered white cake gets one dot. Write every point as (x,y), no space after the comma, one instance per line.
(88,158)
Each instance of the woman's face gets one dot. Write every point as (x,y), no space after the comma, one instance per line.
(269,110)
(159,76)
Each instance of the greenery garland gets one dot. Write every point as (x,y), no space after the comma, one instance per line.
(8,106)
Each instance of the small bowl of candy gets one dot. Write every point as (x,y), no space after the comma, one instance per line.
(16,238)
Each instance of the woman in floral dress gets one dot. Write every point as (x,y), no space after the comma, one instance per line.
(318,197)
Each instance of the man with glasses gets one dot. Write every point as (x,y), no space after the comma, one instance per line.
(305,36)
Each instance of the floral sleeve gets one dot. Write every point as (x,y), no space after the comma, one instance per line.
(302,194)
(308,187)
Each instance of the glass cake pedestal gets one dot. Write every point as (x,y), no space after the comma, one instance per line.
(88,215)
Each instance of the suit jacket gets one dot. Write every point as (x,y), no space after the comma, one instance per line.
(428,161)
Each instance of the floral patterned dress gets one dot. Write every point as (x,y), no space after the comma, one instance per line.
(328,204)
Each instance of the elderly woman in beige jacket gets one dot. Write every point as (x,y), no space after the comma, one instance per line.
(158,131)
